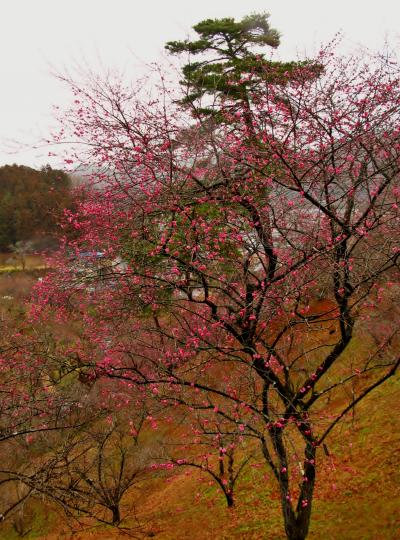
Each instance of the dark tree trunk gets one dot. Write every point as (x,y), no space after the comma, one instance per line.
(116,517)
(229,499)
(297,522)
(296,528)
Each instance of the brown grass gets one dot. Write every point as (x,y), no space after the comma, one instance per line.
(357,495)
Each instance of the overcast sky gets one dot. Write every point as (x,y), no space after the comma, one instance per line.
(38,36)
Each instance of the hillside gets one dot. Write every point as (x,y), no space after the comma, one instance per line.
(357,496)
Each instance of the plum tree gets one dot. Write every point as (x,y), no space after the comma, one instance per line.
(254,252)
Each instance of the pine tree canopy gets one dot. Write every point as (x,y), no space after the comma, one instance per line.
(232,62)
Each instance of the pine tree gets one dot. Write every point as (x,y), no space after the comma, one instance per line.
(232,65)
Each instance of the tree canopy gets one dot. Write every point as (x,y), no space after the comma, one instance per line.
(232,61)
(30,202)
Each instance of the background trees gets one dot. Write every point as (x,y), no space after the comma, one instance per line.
(62,444)
(31,202)
(86,472)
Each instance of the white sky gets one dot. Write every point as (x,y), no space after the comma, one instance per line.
(37,36)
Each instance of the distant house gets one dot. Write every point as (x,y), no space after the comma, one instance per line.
(94,269)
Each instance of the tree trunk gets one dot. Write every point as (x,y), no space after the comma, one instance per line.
(297,528)
(229,499)
(116,517)
(297,522)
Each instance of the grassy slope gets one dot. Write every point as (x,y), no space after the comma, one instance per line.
(358,494)
(357,498)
